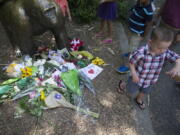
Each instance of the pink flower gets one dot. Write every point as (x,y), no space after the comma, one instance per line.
(32,94)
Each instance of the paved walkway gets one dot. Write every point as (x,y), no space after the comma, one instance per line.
(162,117)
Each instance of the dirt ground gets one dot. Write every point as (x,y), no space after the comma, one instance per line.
(116,113)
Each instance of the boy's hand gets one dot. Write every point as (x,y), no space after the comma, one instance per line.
(173,72)
(135,78)
(176,70)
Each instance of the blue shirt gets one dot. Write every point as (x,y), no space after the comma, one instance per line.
(140,15)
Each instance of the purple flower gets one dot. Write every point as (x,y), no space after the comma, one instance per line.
(57,96)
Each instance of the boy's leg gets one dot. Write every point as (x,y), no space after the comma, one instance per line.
(140,96)
(132,88)
(139,100)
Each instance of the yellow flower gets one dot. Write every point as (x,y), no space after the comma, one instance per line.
(42,95)
(27,71)
(98,61)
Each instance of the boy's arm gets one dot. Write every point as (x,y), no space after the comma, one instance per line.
(69,12)
(175,70)
(135,77)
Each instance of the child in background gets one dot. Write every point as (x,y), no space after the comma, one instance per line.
(140,23)
(107,11)
(63,4)
(146,64)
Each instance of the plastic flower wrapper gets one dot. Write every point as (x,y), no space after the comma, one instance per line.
(49,81)
(55,55)
(27,61)
(98,61)
(55,99)
(86,81)
(5,89)
(13,87)
(39,62)
(14,69)
(86,54)
(26,85)
(64,53)
(10,81)
(71,80)
(50,67)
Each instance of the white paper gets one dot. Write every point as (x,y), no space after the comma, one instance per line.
(91,71)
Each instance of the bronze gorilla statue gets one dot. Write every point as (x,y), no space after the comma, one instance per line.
(23,19)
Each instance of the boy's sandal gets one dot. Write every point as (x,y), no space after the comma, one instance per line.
(107,41)
(141,104)
(121,88)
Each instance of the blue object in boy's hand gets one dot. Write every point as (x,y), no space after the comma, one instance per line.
(123,69)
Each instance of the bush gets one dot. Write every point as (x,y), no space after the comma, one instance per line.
(123,10)
(83,10)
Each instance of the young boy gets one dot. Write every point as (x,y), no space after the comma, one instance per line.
(147,61)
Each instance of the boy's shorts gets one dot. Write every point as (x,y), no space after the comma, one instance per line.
(133,87)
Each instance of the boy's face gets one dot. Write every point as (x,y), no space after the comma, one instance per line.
(159,47)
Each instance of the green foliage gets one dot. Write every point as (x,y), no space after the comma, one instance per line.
(34,107)
(123,9)
(84,11)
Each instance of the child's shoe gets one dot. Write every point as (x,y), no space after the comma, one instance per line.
(99,35)
(107,41)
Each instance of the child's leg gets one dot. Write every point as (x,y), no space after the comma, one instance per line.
(102,24)
(109,36)
(140,97)
(139,100)
(109,27)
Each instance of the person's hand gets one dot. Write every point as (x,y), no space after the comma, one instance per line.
(174,72)
(135,78)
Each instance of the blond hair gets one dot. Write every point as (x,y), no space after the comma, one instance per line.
(162,34)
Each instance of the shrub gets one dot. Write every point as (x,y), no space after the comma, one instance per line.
(83,10)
